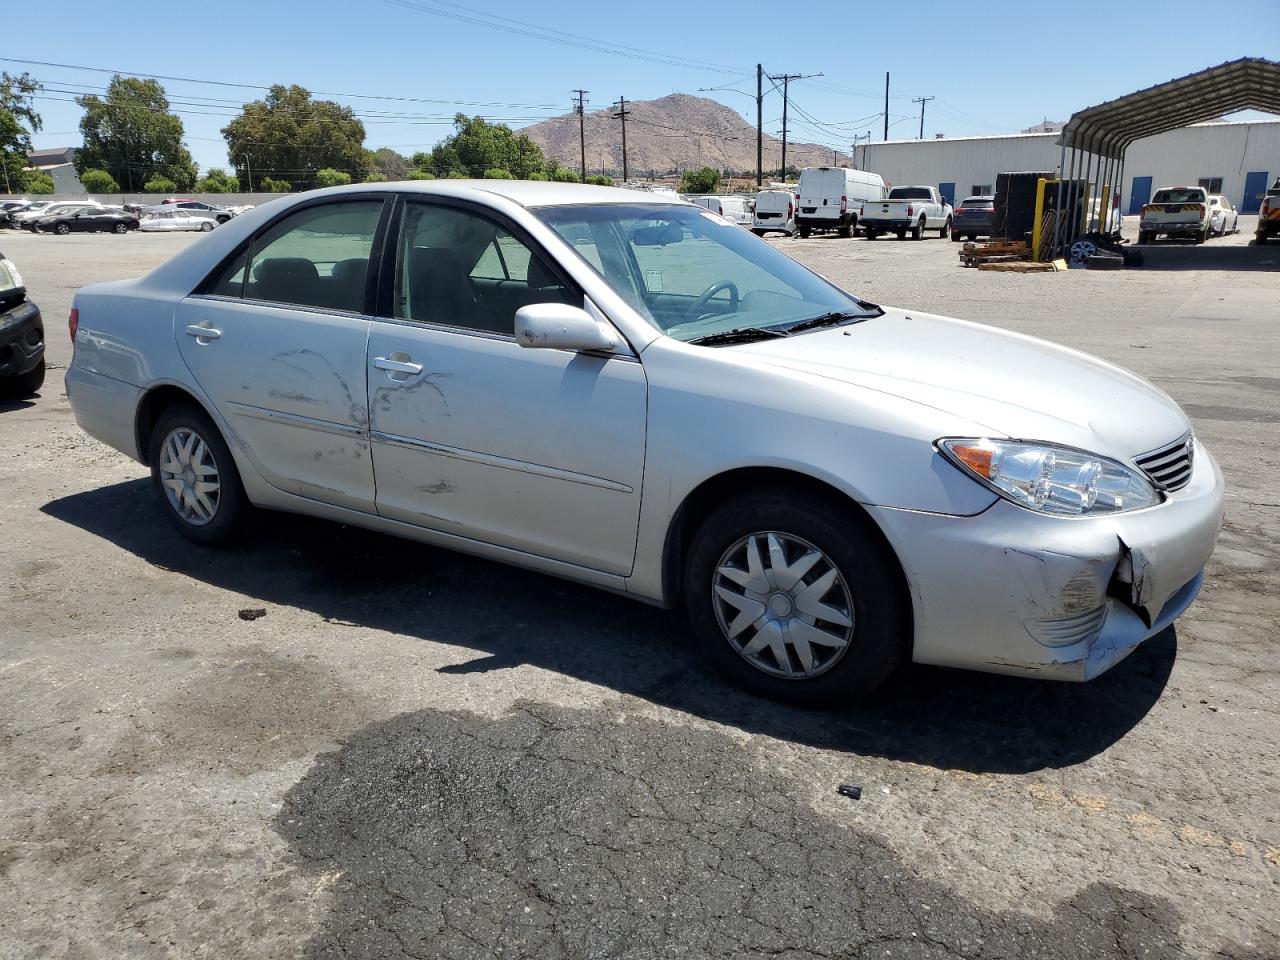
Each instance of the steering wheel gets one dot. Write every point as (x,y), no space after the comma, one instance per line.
(699,306)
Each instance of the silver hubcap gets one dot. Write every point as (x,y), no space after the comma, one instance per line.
(783,605)
(190,476)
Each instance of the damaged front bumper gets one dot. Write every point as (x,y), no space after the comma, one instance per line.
(1013,591)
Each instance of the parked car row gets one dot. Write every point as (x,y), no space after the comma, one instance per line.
(85,216)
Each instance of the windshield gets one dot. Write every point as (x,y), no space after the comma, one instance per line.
(1184,195)
(692,274)
(910,193)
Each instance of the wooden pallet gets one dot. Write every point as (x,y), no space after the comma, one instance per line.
(977,259)
(995,246)
(1025,266)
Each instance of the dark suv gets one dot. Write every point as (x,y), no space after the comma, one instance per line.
(21,336)
(973,218)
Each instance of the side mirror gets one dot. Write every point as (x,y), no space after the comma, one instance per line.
(559,326)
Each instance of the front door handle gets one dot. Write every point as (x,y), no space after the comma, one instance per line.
(397,366)
(203,331)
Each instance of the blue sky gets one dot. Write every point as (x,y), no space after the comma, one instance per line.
(438,55)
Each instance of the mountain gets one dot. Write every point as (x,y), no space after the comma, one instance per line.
(677,132)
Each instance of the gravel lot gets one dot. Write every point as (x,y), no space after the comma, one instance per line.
(418,754)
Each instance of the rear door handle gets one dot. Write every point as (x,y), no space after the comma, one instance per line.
(397,366)
(202,331)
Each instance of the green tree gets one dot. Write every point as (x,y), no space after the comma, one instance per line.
(289,132)
(477,145)
(705,180)
(600,180)
(392,165)
(159,184)
(497,173)
(36,181)
(216,181)
(421,175)
(329,177)
(131,134)
(456,175)
(99,181)
(269,185)
(376,177)
(18,120)
(565,175)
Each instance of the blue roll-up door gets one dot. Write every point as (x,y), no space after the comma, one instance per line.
(1255,187)
(1139,195)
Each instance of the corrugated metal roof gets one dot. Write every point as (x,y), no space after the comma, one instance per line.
(1247,83)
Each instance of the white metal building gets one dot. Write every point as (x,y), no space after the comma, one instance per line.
(1237,159)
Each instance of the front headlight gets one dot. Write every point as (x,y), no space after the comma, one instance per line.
(10,278)
(1051,479)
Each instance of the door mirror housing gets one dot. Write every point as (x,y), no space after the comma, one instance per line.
(559,326)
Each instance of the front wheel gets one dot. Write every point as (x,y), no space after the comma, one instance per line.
(195,476)
(946,228)
(795,598)
(121,228)
(206,226)
(61,229)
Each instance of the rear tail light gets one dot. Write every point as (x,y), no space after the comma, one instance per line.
(73,322)
(791,209)
(1201,210)
(1148,208)
(862,210)
(844,204)
(911,210)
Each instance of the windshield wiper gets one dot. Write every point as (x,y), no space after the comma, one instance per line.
(738,335)
(828,320)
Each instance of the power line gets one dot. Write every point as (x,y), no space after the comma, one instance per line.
(523,28)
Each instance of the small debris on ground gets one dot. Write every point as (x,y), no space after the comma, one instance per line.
(252,613)
(850,790)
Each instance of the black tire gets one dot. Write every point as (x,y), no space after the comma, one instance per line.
(61,229)
(901,233)
(804,232)
(917,232)
(1203,235)
(956,237)
(758,233)
(846,230)
(1144,236)
(881,609)
(121,228)
(871,234)
(23,385)
(946,228)
(233,506)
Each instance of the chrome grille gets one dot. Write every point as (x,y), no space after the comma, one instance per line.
(1169,468)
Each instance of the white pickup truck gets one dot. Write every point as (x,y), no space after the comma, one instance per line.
(916,209)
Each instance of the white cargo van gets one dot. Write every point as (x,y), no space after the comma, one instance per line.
(735,208)
(775,210)
(830,198)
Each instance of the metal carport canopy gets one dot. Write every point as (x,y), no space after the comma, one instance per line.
(1105,130)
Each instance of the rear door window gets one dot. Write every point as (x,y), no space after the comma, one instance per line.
(316,257)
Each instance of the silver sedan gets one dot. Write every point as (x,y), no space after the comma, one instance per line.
(628,391)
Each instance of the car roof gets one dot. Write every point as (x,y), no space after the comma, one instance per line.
(527,193)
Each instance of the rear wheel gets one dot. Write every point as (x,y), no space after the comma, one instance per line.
(795,598)
(846,230)
(61,229)
(1144,236)
(871,234)
(25,384)
(1203,235)
(946,228)
(917,232)
(121,228)
(804,232)
(206,226)
(901,233)
(195,476)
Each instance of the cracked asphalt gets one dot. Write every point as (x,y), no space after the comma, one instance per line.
(420,754)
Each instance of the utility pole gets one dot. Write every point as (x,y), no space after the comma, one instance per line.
(759,126)
(786,79)
(582,133)
(622,115)
(248,172)
(886,104)
(922,101)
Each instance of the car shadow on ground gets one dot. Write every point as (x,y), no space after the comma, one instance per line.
(943,718)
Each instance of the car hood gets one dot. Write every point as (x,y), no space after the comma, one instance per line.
(1015,385)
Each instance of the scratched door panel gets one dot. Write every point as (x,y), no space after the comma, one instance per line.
(538,450)
(290,382)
